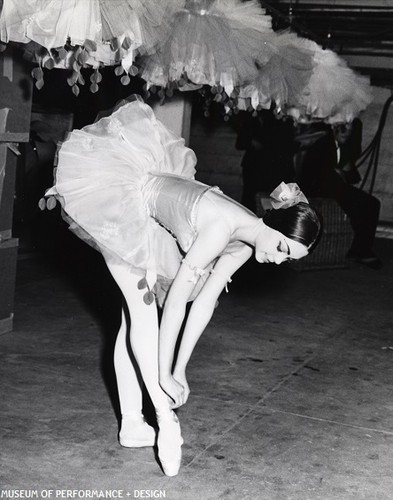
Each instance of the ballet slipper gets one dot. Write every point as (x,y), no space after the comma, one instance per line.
(135,432)
(169,442)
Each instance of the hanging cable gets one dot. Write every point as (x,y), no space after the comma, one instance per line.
(372,150)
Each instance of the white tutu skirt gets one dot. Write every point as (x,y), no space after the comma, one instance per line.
(212,42)
(99,182)
(146,21)
(117,28)
(283,78)
(335,92)
(51,23)
(308,83)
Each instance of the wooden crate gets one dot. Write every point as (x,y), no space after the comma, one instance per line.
(16,88)
(8,257)
(9,160)
(335,241)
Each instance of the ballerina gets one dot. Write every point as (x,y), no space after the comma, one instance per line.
(126,185)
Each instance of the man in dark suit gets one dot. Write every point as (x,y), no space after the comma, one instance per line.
(316,165)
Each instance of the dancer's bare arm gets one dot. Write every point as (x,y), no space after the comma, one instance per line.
(199,316)
(209,244)
(206,248)
(202,310)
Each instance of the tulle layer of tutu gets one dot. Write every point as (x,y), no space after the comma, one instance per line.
(335,92)
(283,78)
(50,23)
(99,182)
(307,82)
(230,45)
(150,21)
(113,29)
(211,43)
(187,44)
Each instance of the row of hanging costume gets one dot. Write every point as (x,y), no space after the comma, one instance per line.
(228,45)
(231,45)
(108,31)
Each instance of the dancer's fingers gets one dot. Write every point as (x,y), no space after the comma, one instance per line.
(178,400)
(180,377)
(181,399)
(174,390)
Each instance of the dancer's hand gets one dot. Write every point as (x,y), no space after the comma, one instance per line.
(180,376)
(174,389)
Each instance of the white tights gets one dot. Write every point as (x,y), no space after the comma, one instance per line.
(143,333)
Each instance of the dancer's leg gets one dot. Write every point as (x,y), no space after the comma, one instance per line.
(134,431)
(143,331)
(144,344)
(128,386)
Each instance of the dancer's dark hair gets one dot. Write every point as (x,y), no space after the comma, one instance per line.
(299,222)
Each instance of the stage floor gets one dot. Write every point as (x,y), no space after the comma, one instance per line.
(291,388)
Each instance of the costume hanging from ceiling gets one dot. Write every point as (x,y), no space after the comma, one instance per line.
(228,45)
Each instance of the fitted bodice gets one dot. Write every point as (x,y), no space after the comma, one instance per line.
(173,202)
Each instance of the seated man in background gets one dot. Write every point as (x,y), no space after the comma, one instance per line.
(320,172)
(349,148)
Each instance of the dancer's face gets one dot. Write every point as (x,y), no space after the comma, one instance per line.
(273,247)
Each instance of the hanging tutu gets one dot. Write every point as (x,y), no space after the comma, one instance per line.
(308,83)
(135,26)
(119,19)
(145,22)
(155,20)
(212,42)
(51,23)
(335,93)
(283,78)
(13,20)
(114,29)
(99,179)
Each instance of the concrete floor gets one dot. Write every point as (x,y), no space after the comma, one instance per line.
(292,395)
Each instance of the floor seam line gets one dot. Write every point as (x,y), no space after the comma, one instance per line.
(260,401)
(297,370)
(285,379)
(225,432)
(218,400)
(251,409)
(329,421)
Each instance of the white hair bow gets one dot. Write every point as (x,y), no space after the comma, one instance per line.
(287,195)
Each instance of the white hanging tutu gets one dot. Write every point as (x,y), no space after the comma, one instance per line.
(138,26)
(308,83)
(190,43)
(283,78)
(146,21)
(14,17)
(99,178)
(131,24)
(51,23)
(212,42)
(335,92)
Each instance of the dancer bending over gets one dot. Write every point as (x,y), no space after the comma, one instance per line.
(126,186)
